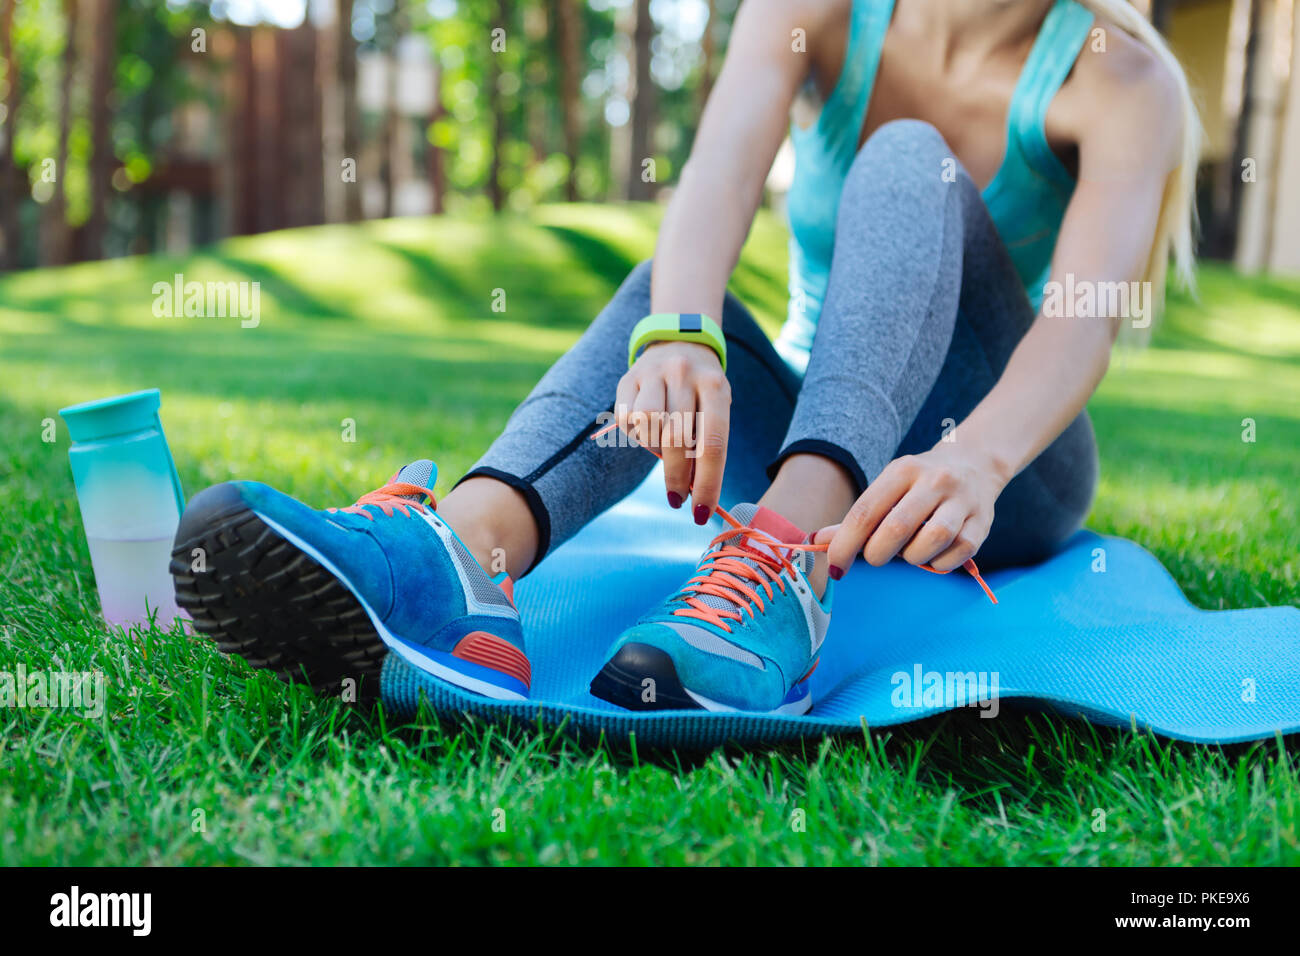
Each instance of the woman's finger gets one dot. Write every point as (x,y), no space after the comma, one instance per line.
(901,524)
(964,546)
(645,412)
(710,451)
(672,440)
(938,532)
(873,504)
(624,398)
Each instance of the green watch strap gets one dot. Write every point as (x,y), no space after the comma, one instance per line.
(677,327)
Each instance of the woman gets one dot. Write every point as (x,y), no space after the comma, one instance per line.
(969,159)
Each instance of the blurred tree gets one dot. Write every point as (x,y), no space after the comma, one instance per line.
(568,51)
(436,156)
(642,103)
(345,65)
(498,46)
(395,28)
(154,137)
(102,61)
(58,235)
(11,179)
(162,77)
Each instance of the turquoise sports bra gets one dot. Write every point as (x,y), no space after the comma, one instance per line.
(1026,199)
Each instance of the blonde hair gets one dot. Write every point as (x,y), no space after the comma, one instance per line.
(1175,235)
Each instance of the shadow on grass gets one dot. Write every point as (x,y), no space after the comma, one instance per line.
(436,281)
(595,254)
(545,287)
(135,289)
(288,295)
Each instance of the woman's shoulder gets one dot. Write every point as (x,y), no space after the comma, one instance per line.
(1120,87)
(1116,68)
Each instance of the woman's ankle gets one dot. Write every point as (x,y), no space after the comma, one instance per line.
(811,492)
(494,522)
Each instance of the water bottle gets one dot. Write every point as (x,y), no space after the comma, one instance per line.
(131,502)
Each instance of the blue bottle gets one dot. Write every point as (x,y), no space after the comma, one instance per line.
(131,502)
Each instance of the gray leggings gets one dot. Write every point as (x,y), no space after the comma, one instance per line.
(921,315)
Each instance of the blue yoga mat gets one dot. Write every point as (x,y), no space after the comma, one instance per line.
(1099,631)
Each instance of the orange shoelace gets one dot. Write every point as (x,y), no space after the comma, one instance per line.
(395,494)
(723,573)
(738,529)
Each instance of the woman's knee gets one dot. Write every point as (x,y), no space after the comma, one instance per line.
(906,154)
(906,137)
(636,287)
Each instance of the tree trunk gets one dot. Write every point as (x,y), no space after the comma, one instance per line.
(437,156)
(298,94)
(1222,241)
(58,236)
(272,205)
(103,61)
(388,135)
(241,138)
(495,191)
(11,192)
(345,62)
(708,44)
(568,40)
(535,71)
(643,106)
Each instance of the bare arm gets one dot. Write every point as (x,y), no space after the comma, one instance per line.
(1124,160)
(700,241)
(740,132)
(937,507)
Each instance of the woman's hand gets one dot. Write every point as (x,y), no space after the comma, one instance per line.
(676,400)
(934,508)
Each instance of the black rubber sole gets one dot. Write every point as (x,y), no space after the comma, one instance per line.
(261,597)
(621,681)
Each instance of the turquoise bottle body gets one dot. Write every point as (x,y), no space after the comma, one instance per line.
(131,502)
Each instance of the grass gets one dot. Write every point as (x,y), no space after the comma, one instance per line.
(199,759)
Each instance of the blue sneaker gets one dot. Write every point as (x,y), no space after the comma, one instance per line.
(322,596)
(743,634)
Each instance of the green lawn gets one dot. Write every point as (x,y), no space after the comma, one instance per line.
(390,324)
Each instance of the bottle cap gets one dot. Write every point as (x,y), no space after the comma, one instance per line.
(119,415)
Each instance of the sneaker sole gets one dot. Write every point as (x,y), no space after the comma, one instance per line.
(268,601)
(621,682)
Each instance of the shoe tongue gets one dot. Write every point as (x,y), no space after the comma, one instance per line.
(767,520)
(423,473)
(779,527)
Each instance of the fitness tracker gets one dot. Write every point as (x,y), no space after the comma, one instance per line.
(677,327)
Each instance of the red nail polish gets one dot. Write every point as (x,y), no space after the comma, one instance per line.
(836,572)
(701,514)
(674,499)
